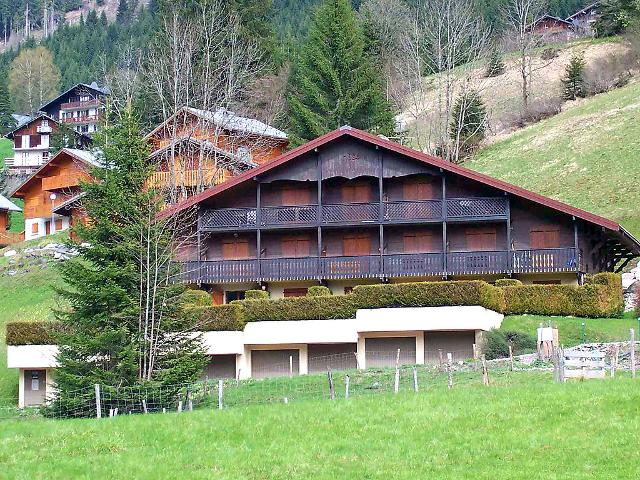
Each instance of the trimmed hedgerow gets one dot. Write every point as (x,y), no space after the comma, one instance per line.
(318,291)
(256,294)
(31,333)
(507,282)
(301,308)
(196,298)
(430,294)
(600,296)
(216,317)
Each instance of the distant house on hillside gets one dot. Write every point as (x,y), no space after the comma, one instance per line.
(583,20)
(552,29)
(6,207)
(55,184)
(81,107)
(196,149)
(32,143)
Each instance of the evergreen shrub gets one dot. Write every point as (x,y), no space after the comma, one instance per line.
(318,291)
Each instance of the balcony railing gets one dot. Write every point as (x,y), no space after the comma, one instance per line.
(82,119)
(187,178)
(354,213)
(376,266)
(80,104)
(60,182)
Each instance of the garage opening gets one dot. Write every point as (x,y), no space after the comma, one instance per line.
(459,344)
(382,352)
(221,366)
(340,356)
(274,363)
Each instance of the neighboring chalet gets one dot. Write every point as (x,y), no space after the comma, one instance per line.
(196,149)
(349,208)
(32,143)
(553,29)
(54,185)
(81,107)
(6,237)
(584,20)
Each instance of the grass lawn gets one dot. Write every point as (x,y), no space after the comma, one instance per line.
(570,328)
(6,150)
(586,156)
(530,429)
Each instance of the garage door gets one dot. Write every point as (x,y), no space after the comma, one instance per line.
(339,356)
(221,366)
(382,352)
(274,363)
(459,344)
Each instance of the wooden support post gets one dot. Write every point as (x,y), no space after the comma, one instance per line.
(475,357)
(415,379)
(98,403)
(614,361)
(290,366)
(180,406)
(440,356)
(110,412)
(332,393)
(450,369)
(346,387)
(561,364)
(144,407)
(396,381)
(115,412)
(258,230)
(632,349)
(511,358)
(220,394)
(485,372)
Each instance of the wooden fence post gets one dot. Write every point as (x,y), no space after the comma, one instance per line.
(346,387)
(475,357)
(614,360)
(485,372)
(290,366)
(415,379)
(144,407)
(98,403)
(332,393)
(561,364)
(450,369)
(396,379)
(632,348)
(220,393)
(180,406)
(510,358)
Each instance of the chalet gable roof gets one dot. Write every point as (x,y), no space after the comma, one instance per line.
(27,120)
(83,156)
(347,131)
(583,11)
(228,120)
(8,205)
(205,145)
(94,86)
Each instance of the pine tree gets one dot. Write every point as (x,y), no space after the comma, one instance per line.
(573,81)
(122,14)
(103,338)
(469,122)
(333,81)
(7,123)
(495,65)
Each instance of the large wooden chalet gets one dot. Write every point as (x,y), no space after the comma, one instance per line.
(196,149)
(350,208)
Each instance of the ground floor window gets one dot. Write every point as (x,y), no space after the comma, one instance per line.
(230,296)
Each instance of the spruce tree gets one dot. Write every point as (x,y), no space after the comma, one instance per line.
(469,122)
(495,65)
(105,336)
(7,123)
(333,81)
(573,80)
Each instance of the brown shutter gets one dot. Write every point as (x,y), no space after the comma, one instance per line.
(217,297)
(295,292)
(295,246)
(295,195)
(356,193)
(417,190)
(544,237)
(481,239)
(235,249)
(356,245)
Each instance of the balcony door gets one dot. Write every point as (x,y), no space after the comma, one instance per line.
(297,246)
(481,239)
(295,195)
(235,249)
(358,192)
(417,189)
(418,242)
(544,237)
(356,245)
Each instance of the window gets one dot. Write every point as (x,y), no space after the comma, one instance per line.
(481,239)
(547,282)
(356,245)
(356,193)
(45,122)
(234,295)
(298,246)
(235,249)
(417,242)
(294,292)
(244,153)
(34,227)
(547,236)
(58,225)
(417,190)
(45,156)
(295,195)
(348,290)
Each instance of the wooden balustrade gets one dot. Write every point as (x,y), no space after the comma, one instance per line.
(187,178)
(376,266)
(59,182)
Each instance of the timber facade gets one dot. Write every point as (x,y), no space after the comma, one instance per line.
(352,208)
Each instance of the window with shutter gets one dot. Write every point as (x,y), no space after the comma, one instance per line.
(235,249)
(481,239)
(295,292)
(418,242)
(356,193)
(544,237)
(356,245)
(296,246)
(417,190)
(292,195)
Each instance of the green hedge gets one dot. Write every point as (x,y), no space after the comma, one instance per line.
(430,294)
(300,308)
(507,282)
(196,298)
(216,317)
(256,294)
(318,291)
(600,296)
(31,333)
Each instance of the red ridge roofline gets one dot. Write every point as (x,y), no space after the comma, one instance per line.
(397,148)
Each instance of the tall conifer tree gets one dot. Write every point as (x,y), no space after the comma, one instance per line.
(333,81)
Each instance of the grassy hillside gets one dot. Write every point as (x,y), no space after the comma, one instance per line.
(6,150)
(586,156)
(526,428)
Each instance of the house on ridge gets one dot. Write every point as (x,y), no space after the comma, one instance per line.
(6,237)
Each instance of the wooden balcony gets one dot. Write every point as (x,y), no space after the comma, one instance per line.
(94,102)
(187,178)
(60,182)
(386,266)
(456,209)
(82,119)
